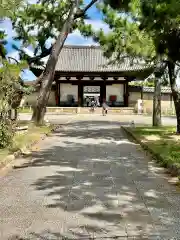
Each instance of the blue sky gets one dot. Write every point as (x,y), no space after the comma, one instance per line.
(74,38)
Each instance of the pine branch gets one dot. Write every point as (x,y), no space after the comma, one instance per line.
(14,59)
(80,13)
(38,80)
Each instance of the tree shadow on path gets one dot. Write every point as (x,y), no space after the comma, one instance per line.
(90,170)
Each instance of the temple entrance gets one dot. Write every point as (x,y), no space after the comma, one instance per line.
(91,93)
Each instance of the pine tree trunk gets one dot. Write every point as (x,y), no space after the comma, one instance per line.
(157,103)
(48,74)
(175,92)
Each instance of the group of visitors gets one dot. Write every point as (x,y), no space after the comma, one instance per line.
(94,102)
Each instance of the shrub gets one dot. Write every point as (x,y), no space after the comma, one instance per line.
(8,79)
(6,133)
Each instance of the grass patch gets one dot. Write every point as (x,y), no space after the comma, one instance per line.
(33,134)
(163,141)
(25,110)
(3,153)
(21,140)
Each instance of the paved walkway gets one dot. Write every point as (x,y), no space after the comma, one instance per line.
(88,181)
(126,119)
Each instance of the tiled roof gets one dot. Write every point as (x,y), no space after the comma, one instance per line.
(151,89)
(145,89)
(90,59)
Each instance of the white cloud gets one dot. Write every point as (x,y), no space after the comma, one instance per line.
(76,38)
(14,55)
(28,52)
(6,26)
(98,24)
(49,42)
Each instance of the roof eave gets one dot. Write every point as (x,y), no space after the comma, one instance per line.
(138,74)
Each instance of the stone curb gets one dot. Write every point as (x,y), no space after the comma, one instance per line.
(173,169)
(11,157)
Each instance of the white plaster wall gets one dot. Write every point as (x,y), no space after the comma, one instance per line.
(31,99)
(52,100)
(68,89)
(134,96)
(115,89)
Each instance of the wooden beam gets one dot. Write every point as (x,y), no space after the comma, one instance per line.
(115,78)
(133,74)
(91,78)
(141,74)
(89,82)
(68,78)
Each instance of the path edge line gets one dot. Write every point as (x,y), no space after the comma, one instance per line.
(172,168)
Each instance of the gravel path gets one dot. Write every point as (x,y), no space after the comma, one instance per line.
(88,181)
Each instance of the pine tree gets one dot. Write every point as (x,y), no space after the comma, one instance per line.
(148,30)
(49,19)
(126,40)
(160,18)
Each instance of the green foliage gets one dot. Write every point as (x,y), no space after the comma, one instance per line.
(2,43)
(9,79)
(6,10)
(154,30)
(6,96)
(8,7)
(11,92)
(161,20)
(149,83)
(42,21)
(125,39)
(162,142)
(6,133)
(146,31)
(118,4)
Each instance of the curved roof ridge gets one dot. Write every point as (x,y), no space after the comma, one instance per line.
(83,58)
(82,46)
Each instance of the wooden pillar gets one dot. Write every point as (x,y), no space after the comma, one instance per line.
(103,91)
(80,92)
(126,93)
(141,92)
(57,93)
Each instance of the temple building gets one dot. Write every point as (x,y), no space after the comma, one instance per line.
(82,73)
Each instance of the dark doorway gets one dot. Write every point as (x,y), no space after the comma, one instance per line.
(91,93)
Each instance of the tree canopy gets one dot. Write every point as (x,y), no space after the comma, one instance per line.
(8,7)
(149,30)
(40,24)
(146,30)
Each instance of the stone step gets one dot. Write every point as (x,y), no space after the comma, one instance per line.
(87,110)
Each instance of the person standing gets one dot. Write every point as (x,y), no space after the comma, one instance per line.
(104,108)
(93,105)
(97,101)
